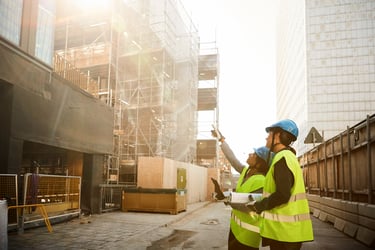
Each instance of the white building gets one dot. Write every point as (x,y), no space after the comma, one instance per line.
(325,65)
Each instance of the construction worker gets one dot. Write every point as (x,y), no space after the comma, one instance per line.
(285,221)
(244,225)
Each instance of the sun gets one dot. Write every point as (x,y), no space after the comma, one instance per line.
(92,4)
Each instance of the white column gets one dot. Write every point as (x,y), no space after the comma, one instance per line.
(3,224)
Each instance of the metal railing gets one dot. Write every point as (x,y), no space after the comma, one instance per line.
(59,195)
(67,71)
(111,196)
(42,209)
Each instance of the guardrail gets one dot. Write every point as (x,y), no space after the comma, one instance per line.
(44,196)
(67,71)
(111,196)
(20,212)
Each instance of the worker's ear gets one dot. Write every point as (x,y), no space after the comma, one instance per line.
(285,138)
(276,135)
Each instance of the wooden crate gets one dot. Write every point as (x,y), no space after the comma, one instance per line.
(170,201)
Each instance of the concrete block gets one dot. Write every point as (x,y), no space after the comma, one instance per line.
(367,222)
(338,212)
(313,206)
(339,224)
(323,216)
(311,210)
(350,229)
(349,206)
(331,218)
(313,198)
(327,201)
(314,203)
(316,213)
(367,210)
(366,236)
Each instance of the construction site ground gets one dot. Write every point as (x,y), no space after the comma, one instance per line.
(204,225)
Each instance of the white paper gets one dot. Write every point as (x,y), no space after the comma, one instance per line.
(256,197)
(244,197)
(239,197)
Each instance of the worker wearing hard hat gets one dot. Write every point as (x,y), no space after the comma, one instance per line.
(244,225)
(285,217)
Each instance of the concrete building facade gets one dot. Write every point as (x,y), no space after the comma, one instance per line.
(87,89)
(326,65)
(46,126)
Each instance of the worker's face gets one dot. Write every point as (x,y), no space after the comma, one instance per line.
(269,139)
(252,159)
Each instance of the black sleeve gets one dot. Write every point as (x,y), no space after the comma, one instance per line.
(284,181)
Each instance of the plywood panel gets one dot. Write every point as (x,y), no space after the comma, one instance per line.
(196,183)
(150,172)
(169,174)
(157,172)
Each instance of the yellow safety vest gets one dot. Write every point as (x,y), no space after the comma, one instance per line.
(288,222)
(245,227)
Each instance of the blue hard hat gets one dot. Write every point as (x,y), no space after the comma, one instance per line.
(286,125)
(263,152)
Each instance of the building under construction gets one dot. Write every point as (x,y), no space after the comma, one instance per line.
(143,60)
(89,87)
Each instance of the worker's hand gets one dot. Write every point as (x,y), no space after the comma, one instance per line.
(219,193)
(216,133)
(251,206)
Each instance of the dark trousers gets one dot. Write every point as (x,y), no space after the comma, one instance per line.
(280,245)
(234,244)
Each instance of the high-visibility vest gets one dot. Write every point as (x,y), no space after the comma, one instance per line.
(288,222)
(245,226)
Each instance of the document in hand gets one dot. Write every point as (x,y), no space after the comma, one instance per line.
(239,197)
(244,197)
(243,201)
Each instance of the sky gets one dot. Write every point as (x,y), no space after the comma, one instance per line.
(245,35)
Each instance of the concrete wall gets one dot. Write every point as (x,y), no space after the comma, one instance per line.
(46,109)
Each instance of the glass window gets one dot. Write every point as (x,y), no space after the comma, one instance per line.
(10,20)
(45,31)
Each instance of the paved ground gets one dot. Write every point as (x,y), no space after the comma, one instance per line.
(132,230)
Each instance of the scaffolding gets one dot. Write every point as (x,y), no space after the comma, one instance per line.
(208,110)
(143,55)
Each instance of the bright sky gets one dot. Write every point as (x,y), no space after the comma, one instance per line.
(244,31)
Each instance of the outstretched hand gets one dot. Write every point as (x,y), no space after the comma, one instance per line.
(217,134)
(219,193)
(214,134)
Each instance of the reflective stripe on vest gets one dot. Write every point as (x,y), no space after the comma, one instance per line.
(286,218)
(296,197)
(244,225)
